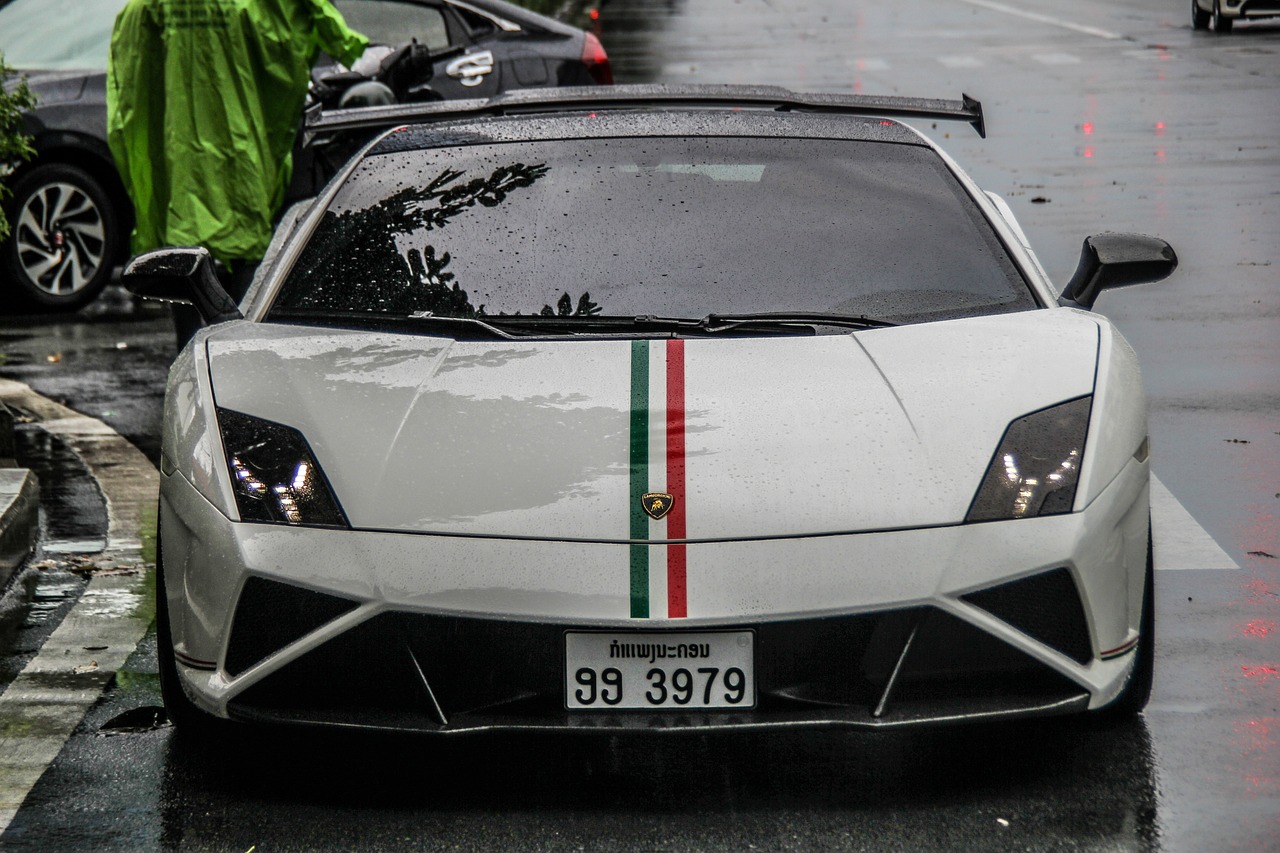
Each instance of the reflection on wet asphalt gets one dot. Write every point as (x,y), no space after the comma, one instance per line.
(51,592)
(1011,787)
(74,517)
(110,363)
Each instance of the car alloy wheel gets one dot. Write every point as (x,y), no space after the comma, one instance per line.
(63,226)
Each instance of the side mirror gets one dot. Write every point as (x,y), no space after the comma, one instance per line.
(182,274)
(1116,260)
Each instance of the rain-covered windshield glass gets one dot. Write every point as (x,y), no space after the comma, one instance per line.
(669,227)
(57,35)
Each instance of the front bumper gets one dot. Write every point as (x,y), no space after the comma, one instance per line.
(442,634)
(1251,8)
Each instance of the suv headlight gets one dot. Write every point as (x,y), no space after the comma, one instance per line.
(274,474)
(1037,465)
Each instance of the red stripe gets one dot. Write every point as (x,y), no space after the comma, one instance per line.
(1119,650)
(677,593)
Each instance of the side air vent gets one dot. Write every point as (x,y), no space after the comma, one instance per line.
(270,615)
(1045,607)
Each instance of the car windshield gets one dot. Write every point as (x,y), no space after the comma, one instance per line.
(57,35)
(653,228)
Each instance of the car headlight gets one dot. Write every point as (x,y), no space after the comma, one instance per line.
(274,474)
(1037,465)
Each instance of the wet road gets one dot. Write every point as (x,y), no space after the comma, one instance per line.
(1101,116)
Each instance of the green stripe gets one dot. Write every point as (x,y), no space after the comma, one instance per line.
(639,478)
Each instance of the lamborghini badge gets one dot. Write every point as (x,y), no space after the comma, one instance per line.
(657,505)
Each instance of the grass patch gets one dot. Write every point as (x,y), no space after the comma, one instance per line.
(147,533)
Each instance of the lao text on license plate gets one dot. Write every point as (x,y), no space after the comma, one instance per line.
(691,670)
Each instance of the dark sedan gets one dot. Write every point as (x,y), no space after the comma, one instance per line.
(70,215)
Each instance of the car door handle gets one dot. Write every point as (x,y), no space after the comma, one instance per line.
(470,69)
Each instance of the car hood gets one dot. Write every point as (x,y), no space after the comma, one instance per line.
(766,436)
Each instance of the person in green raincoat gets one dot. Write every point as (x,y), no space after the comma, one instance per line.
(203,103)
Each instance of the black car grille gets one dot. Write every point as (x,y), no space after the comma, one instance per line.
(1045,607)
(445,673)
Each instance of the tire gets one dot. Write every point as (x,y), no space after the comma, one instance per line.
(65,234)
(1136,693)
(1199,17)
(187,718)
(1220,22)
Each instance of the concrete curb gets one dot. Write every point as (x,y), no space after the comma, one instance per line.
(46,701)
(19,519)
(19,504)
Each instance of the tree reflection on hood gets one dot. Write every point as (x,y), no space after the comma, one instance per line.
(353,261)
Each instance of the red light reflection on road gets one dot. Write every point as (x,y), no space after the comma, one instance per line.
(1256,741)
(1088,128)
(1259,628)
(1263,673)
(1259,588)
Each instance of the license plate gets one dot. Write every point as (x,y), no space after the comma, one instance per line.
(694,670)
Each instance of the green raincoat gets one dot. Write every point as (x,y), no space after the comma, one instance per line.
(203,103)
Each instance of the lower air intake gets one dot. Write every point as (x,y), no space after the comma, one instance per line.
(435,673)
(1045,607)
(270,615)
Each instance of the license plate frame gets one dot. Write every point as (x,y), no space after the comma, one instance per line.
(717,667)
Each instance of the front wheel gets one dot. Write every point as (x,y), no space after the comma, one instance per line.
(1220,22)
(1199,17)
(1137,690)
(64,235)
(187,718)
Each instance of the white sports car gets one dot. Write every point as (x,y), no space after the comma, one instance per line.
(650,407)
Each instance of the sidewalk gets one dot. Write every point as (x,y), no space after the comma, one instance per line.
(19,504)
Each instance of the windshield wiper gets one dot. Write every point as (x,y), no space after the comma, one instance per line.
(462,323)
(727,322)
(370,321)
(515,326)
(786,321)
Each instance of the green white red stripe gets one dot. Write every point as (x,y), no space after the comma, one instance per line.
(657,553)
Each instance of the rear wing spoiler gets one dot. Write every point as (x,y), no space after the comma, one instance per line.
(320,125)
